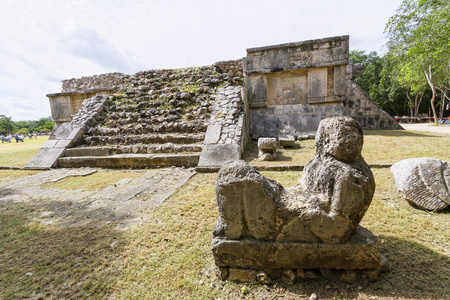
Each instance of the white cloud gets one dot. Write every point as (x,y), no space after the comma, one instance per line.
(46,41)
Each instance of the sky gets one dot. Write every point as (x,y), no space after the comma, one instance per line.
(44,42)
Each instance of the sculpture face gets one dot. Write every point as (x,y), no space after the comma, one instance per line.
(341,138)
(347,144)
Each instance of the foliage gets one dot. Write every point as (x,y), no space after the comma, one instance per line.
(6,125)
(418,37)
(41,125)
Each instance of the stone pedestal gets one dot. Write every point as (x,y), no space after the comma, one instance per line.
(360,255)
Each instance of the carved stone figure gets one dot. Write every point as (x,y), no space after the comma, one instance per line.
(424,182)
(323,208)
(326,205)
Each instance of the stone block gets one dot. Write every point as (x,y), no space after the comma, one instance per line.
(46,158)
(217,155)
(286,140)
(242,275)
(361,251)
(212,135)
(76,133)
(50,144)
(62,130)
(267,145)
(63,143)
(88,151)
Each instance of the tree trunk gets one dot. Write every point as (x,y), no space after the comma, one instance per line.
(417,104)
(441,110)
(411,104)
(433,90)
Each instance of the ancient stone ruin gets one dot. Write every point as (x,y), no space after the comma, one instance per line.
(268,231)
(423,182)
(205,116)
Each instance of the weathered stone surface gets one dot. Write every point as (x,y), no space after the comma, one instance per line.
(46,158)
(267,145)
(424,182)
(130,160)
(361,251)
(94,151)
(218,154)
(264,225)
(286,140)
(326,205)
(267,148)
(286,82)
(212,135)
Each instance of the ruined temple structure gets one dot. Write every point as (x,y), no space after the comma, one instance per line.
(205,116)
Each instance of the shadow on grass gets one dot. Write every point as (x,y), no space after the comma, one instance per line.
(50,262)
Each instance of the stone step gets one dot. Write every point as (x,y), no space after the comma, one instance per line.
(134,149)
(159,148)
(130,161)
(155,138)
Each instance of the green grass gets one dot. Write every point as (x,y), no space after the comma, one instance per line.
(170,256)
(18,154)
(380,147)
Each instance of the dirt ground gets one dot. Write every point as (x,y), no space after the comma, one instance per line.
(442,129)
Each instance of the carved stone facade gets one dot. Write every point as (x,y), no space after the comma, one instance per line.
(291,87)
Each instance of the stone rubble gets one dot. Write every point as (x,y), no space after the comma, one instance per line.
(163,111)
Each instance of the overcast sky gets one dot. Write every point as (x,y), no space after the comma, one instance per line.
(45,41)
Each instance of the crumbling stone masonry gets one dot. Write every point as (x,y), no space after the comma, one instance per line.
(205,116)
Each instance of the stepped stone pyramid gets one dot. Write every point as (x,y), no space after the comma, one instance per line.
(204,116)
(151,118)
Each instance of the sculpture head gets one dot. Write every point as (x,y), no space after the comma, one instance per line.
(341,137)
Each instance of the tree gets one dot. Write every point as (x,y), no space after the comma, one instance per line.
(6,125)
(418,34)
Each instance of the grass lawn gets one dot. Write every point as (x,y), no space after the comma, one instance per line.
(170,257)
(17,154)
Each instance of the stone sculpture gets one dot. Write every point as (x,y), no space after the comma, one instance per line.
(267,149)
(424,182)
(263,225)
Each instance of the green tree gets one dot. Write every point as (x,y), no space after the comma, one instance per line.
(370,78)
(419,36)
(6,125)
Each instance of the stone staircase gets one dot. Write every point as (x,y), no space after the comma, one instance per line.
(154,118)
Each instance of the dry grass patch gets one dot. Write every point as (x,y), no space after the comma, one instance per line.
(18,154)
(93,182)
(9,175)
(170,256)
(380,146)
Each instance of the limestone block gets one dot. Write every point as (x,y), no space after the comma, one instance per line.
(88,151)
(46,158)
(423,182)
(361,251)
(212,135)
(218,154)
(267,145)
(286,140)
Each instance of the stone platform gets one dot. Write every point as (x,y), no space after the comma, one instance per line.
(130,161)
(243,260)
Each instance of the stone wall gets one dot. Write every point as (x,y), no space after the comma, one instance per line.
(291,87)
(103,81)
